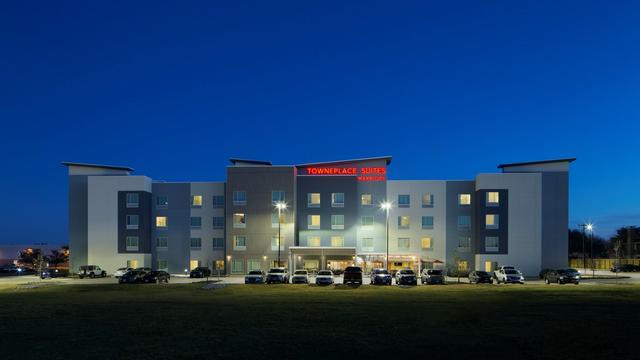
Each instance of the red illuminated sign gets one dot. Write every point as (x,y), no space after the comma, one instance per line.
(363,174)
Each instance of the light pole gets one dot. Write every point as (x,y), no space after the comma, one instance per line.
(584,262)
(386,206)
(590,229)
(281,206)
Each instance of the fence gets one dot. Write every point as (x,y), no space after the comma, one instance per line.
(600,264)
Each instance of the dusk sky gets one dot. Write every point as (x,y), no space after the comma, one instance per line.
(449,89)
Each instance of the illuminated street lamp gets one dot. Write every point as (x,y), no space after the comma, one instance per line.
(386,206)
(281,206)
(590,230)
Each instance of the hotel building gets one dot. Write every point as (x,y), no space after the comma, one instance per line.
(332,219)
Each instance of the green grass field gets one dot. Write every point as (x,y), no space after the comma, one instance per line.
(285,321)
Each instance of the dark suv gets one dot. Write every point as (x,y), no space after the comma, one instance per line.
(562,276)
(200,272)
(430,277)
(352,274)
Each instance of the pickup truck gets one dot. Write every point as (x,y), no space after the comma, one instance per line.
(352,274)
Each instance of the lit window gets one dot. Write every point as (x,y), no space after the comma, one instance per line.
(313,221)
(493,198)
(404,200)
(367,244)
(239,242)
(491,243)
(337,222)
(337,241)
(366,199)
(277,196)
(195,243)
(404,243)
(464,199)
(133,200)
(196,200)
(427,222)
(218,243)
(132,222)
(162,242)
(463,265)
(313,241)
(196,222)
(313,200)
(427,200)
(239,221)
(464,222)
(162,264)
(274,243)
(492,221)
(464,242)
(237,266)
(161,221)
(274,219)
(403,222)
(219,264)
(426,243)
(239,198)
(367,221)
(253,265)
(218,201)
(132,243)
(162,202)
(218,222)
(337,200)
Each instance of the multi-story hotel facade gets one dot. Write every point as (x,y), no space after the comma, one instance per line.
(320,216)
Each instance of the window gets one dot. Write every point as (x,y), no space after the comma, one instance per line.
(337,200)
(367,244)
(464,199)
(253,264)
(161,222)
(218,243)
(219,264)
(195,243)
(464,222)
(427,243)
(403,243)
(133,200)
(366,200)
(277,196)
(274,243)
(162,242)
(218,222)
(427,200)
(132,222)
(337,222)
(367,221)
(463,265)
(274,219)
(491,243)
(464,242)
(239,198)
(162,202)
(239,242)
(403,222)
(162,264)
(427,222)
(196,201)
(313,241)
(237,266)
(196,222)
(313,200)
(337,241)
(493,198)
(239,221)
(313,222)
(404,201)
(492,221)
(218,201)
(132,243)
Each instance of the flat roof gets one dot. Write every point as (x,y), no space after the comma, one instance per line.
(569,160)
(385,158)
(249,161)
(114,167)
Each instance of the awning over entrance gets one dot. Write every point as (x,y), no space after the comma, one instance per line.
(322,251)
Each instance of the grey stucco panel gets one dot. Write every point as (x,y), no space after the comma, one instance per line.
(178,231)
(502,210)
(78,229)
(555,219)
(143,232)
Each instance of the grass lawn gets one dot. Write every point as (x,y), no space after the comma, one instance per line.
(286,321)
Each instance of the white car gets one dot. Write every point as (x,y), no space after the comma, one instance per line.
(324,277)
(507,276)
(277,275)
(121,271)
(300,277)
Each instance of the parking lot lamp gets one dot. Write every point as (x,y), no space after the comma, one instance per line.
(281,206)
(590,230)
(386,206)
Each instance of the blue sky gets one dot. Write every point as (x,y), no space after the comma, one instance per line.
(448,89)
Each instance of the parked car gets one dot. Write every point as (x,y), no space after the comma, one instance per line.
(562,277)
(132,277)
(324,277)
(406,277)
(200,272)
(508,275)
(479,277)
(277,275)
(380,276)
(53,273)
(352,274)
(625,268)
(143,269)
(543,273)
(121,271)
(254,277)
(300,277)
(156,276)
(91,271)
(431,277)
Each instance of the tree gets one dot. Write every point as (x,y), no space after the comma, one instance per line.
(29,256)
(625,237)
(39,263)
(601,247)
(57,257)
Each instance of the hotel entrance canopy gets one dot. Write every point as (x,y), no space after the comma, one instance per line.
(322,251)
